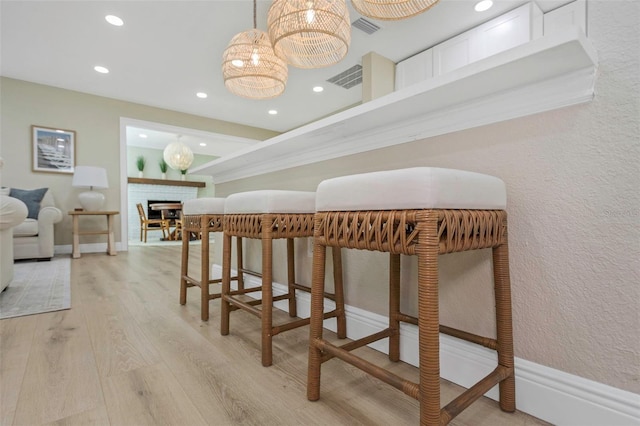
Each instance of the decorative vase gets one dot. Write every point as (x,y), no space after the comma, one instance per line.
(164,176)
(183,177)
(140,174)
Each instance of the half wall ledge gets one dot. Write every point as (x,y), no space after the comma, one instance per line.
(551,72)
(146,181)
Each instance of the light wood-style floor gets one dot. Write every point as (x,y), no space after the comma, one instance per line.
(127,353)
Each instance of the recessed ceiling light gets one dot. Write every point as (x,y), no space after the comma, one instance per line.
(203,144)
(273,112)
(483,5)
(142,135)
(101,70)
(114,20)
(201,95)
(318,89)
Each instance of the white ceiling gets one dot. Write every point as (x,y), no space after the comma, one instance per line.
(169,50)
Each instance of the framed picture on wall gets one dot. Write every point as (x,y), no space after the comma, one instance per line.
(53,150)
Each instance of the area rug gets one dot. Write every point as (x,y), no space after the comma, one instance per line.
(37,287)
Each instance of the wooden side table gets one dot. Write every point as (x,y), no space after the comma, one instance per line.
(111,245)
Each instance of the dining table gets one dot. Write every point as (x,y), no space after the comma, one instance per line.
(165,208)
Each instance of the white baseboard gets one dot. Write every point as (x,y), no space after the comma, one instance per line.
(85,248)
(543,392)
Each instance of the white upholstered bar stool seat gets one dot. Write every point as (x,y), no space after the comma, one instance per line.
(267,215)
(421,211)
(200,217)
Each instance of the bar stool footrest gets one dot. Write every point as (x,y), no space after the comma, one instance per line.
(364,341)
(193,282)
(250,272)
(242,291)
(408,387)
(466,398)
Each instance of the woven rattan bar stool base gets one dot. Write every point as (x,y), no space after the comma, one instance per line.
(268,226)
(201,217)
(424,233)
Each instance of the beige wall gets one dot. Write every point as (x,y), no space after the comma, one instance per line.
(574,210)
(96,121)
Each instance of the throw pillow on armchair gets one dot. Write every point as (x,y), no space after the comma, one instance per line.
(32,198)
(34,238)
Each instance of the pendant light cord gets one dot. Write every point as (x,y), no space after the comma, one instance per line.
(255,25)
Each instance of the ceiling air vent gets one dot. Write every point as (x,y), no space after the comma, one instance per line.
(365,25)
(349,78)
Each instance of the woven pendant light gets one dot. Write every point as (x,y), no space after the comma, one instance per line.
(178,155)
(392,10)
(310,33)
(250,67)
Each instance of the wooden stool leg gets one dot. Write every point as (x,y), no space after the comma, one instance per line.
(338,292)
(239,263)
(394,307)
(184,271)
(428,323)
(267,296)
(315,330)
(291,278)
(504,325)
(226,284)
(204,272)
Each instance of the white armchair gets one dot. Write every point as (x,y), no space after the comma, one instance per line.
(33,238)
(12,213)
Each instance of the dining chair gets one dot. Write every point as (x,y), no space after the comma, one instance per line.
(151,224)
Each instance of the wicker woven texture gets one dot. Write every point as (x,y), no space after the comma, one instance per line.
(310,34)
(202,225)
(426,234)
(281,225)
(397,231)
(250,67)
(195,223)
(392,10)
(267,227)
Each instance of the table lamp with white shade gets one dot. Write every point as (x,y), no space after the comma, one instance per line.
(90,177)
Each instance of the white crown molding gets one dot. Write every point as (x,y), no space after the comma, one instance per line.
(543,392)
(550,72)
